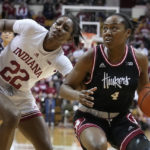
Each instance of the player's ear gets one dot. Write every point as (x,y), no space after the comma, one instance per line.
(128,33)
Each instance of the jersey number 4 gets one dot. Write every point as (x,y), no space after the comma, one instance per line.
(115,95)
(12,80)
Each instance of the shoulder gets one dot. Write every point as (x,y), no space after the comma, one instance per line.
(27,25)
(26,21)
(139,56)
(88,56)
(141,59)
(85,62)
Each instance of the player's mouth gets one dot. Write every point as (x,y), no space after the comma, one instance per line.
(108,39)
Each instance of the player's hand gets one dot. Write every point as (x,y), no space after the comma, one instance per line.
(85,97)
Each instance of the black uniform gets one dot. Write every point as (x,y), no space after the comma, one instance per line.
(116,85)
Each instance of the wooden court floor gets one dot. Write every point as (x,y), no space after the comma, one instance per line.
(62,139)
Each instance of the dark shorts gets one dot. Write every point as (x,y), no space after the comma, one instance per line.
(119,131)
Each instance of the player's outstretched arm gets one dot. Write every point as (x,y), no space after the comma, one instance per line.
(69,88)
(6,25)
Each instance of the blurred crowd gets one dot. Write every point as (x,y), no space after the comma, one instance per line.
(58,111)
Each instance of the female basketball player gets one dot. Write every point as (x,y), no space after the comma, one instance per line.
(116,70)
(35,53)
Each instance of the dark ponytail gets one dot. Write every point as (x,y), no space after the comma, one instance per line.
(77,35)
(128,22)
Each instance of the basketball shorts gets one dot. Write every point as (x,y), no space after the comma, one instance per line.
(23,100)
(119,131)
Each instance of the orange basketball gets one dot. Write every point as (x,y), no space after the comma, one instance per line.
(144,100)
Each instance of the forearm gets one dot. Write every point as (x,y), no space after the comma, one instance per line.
(6,25)
(2,25)
(68,93)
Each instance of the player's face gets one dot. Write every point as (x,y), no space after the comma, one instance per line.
(114,32)
(62,29)
(7,36)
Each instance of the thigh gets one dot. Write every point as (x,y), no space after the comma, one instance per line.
(7,107)
(123,130)
(26,104)
(36,130)
(139,142)
(90,130)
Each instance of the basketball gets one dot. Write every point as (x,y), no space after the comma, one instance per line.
(144,100)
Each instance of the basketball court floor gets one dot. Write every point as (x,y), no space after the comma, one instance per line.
(62,139)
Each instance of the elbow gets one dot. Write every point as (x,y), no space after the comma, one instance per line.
(65,92)
(61,92)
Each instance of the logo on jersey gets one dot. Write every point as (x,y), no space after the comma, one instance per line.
(130,63)
(130,128)
(115,81)
(36,55)
(102,65)
(25,57)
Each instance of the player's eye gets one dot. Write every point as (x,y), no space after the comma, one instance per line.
(66,28)
(58,23)
(105,28)
(114,28)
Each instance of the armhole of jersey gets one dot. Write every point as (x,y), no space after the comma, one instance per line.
(94,60)
(133,52)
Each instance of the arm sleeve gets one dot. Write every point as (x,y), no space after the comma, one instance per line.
(63,64)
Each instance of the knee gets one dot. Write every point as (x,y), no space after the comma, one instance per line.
(102,145)
(138,143)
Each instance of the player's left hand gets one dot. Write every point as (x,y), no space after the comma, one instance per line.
(86,98)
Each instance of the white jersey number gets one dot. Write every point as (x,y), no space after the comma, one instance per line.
(12,80)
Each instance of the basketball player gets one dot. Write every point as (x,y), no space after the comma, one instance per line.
(6,38)
(35,53)
(116,70)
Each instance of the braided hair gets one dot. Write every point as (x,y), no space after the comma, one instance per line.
(76,29)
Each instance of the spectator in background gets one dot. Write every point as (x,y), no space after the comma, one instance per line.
(5,8)
(6,38)
(22,11)
(40,18)
(147,11)
(99,2)
(79,51)
(37,98)
(57,80)
(48,10)
(42,85)
(58,7)
(11,14)
(143,49)
(50,88)
(67,48)
(50,109)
